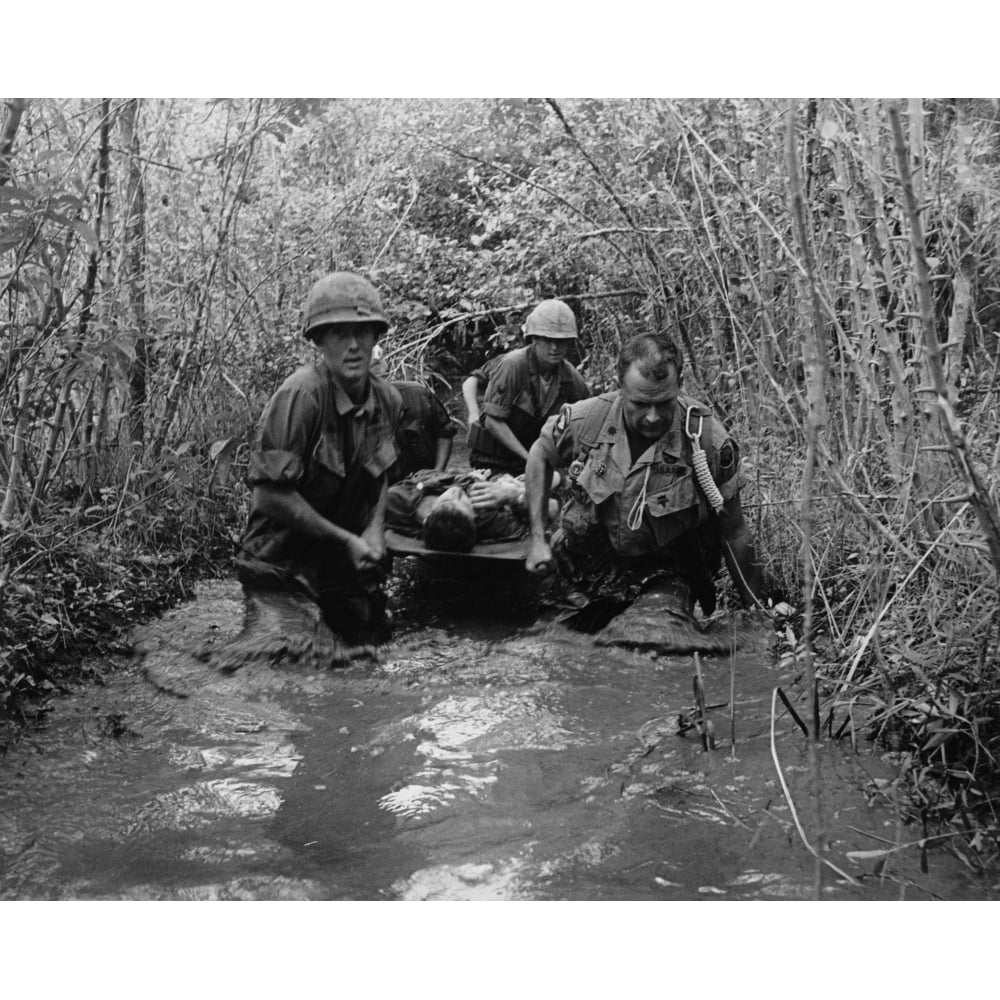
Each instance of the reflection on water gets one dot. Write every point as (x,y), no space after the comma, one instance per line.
(200,805)
(469,881)
(477,761)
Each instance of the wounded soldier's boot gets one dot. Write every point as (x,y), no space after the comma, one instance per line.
(662,619)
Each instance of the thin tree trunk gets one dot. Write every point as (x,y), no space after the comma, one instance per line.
(9,507)
(868,320)
(966,263)
(16,107)
(814,360)
(915,120)
(227,216)
(135,268)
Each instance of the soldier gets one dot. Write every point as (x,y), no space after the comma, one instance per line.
(453,511)
(654,488)
(319,475)
(425,432)
(526,387)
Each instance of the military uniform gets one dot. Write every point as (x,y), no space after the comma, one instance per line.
(625,521)
(518,395)
(478,434)
(499,524)
(335,454)
(423,421)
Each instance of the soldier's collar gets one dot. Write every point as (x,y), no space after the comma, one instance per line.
(614,422)
(343,403)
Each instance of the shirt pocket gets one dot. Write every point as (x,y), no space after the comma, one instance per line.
(600,479)
(673,497)
(326,470)
(673,509)
(525,402)
(383,456)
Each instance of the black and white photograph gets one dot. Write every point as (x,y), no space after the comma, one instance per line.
(499,499)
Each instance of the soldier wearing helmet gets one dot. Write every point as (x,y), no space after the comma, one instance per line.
(319,474)
(526,387)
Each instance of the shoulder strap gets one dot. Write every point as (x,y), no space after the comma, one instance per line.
(707,415)
(593,420)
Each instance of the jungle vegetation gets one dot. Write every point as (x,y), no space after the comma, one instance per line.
(829,267)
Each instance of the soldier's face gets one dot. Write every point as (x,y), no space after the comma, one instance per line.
(550,352)
(649,404)
(347,350)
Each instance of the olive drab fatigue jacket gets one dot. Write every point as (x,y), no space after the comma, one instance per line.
(335,454)
(424,419)
(644,508)
(478,434)
(517,395)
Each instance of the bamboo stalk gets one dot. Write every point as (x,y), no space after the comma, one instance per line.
(16,106)
(814,359)
(985,509)
(868,316)
(966,260)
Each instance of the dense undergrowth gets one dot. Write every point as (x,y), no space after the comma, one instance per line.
(86,575)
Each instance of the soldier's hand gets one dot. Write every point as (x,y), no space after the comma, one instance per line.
(362,556)
(490,495)
(472,422)
(375,540)
(539,559)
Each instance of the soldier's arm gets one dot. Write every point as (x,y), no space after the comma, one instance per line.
(470,394)
(374,533)
(440,424)
(442,452)
(504,385)
(538,487)
(283,504)
(500,429)
(287,428)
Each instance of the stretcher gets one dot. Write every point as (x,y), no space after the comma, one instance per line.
(510,551)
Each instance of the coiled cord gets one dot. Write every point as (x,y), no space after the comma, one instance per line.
(700,462)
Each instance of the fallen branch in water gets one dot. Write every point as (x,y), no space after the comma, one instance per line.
(705,727)
(792,712)
(791,804)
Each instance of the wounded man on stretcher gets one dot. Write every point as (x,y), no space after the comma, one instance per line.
(454,511)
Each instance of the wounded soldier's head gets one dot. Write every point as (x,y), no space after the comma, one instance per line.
(451,525)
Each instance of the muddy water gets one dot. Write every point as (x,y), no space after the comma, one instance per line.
(488,756)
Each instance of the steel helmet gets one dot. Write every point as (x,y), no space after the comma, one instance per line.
(553,319)
(343,297)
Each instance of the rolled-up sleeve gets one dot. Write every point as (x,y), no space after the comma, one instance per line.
(285,433)
(557,440)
